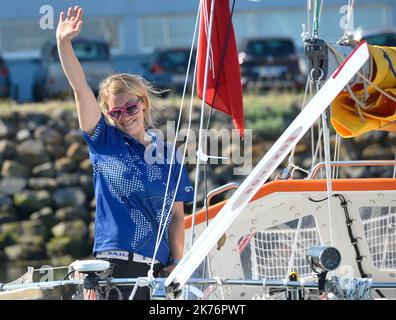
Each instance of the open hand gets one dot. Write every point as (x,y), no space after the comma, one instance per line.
(69,27)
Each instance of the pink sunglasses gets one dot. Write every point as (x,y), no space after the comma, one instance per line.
(130,109)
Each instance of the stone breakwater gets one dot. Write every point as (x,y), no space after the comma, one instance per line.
(47,206)
(46,195)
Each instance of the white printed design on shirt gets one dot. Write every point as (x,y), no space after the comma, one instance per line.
(168,203)
(123,175)
(114,169)
(153,172)
(143,227)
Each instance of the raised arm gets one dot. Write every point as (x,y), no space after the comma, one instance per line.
(87,107)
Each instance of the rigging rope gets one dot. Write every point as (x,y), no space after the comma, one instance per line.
(303,104)
(294,248)
(316,19)
(173,157)
(199,152)
(337,148)
(309,8)
(388,226)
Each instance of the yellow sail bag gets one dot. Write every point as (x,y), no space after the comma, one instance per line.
(379,112)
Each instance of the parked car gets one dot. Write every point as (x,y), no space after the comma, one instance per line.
(166,68)
(50,80)
(269,63)
(380,37)
(5,82)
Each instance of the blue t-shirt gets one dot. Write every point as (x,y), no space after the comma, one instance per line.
(130,191)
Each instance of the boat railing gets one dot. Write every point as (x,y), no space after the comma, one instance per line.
(192,281)
(355,163)
(221,189)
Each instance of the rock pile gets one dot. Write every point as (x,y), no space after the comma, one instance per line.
(46,192)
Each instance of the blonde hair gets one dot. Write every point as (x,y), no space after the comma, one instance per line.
(129,83)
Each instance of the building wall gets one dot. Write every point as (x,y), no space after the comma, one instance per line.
(135,27)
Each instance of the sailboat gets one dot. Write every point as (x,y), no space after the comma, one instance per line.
(295,239)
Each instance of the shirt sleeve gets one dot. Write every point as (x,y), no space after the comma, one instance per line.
(102,137)
(185,191)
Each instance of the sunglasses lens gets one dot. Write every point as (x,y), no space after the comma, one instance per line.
(115,114)
(131,110)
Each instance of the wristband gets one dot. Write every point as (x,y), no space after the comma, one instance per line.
(175,261)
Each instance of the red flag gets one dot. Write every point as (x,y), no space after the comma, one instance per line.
(224,89)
